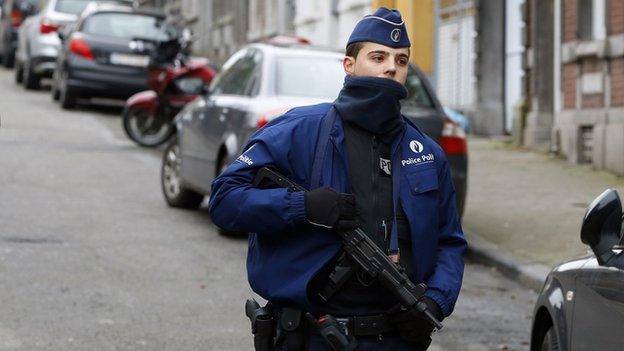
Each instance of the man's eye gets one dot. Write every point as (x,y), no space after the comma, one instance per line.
(402,62)
(377,58)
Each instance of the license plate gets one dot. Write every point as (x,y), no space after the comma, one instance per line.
(129,60)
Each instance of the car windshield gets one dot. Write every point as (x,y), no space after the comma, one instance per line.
(71,6)
(417,95)
(319,77)
(125,25)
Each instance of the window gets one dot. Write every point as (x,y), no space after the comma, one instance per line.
(417,95)
(310,76)
(242,77)
(71,6)
(125,25)
(586,144)
(584,11)
(591,19)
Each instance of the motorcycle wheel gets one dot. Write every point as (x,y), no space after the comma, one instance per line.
(144,129)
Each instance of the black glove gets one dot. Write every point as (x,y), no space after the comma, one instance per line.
(412,325)
(327,208)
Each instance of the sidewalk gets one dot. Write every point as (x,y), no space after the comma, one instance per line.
(524,209)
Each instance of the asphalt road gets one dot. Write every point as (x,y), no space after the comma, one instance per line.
(91,257)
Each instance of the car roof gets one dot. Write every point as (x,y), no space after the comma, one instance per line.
(119,6)
(279,50)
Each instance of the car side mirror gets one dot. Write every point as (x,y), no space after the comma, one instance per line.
(61,35)
(602,225)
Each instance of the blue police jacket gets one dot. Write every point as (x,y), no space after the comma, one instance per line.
(285,252)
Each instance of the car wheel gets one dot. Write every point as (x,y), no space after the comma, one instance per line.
(54,89)
(549,342)
(19,73)
(175,193)
(67,96)
(31,79)
(8,60)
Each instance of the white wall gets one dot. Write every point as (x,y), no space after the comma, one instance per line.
(329,22)
(350,13)
(263,19)
(513,58)
(313,21)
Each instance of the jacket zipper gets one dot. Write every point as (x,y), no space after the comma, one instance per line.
(375,174)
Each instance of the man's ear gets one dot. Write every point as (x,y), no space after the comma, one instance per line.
(348,63)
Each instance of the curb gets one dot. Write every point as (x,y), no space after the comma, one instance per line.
(487,253)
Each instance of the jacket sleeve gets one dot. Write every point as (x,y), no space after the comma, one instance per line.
(445,283)
(236,205)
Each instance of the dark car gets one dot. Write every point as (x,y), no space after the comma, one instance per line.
(262,81)
(13,14)
(581,306)
(106,53)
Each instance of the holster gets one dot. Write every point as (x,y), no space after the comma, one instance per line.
(263,325)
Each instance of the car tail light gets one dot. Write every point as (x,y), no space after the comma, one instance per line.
(46,27)
(80,47)
(16,18)
(453,140)
(262,121)
(269,115)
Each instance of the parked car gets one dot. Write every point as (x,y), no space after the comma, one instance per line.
(581,306)
(106,53)
(38,41)
(262,81)
(13,14)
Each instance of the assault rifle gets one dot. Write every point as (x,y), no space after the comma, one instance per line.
(365,253)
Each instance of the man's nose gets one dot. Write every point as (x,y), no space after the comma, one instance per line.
(390,68)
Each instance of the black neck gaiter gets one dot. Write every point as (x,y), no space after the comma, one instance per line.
(372,104)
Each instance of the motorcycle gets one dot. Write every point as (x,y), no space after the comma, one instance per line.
(175,79)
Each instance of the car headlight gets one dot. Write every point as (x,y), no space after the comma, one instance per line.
(189,85)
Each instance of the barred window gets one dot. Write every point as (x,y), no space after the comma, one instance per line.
(584,15)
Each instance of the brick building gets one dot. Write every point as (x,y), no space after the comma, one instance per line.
(574,69)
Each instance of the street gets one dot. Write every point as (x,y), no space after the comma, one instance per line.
(91,257)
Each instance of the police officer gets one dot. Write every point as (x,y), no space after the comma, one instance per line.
(366,166)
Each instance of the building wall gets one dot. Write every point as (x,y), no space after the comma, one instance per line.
(197,13)
(269,18)
(590,123)
(329,23)
(228,29)
(539,59)
(489,118)
(514,50)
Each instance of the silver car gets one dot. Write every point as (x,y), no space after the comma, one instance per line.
(38,41)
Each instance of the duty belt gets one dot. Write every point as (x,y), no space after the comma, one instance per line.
(366,325)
